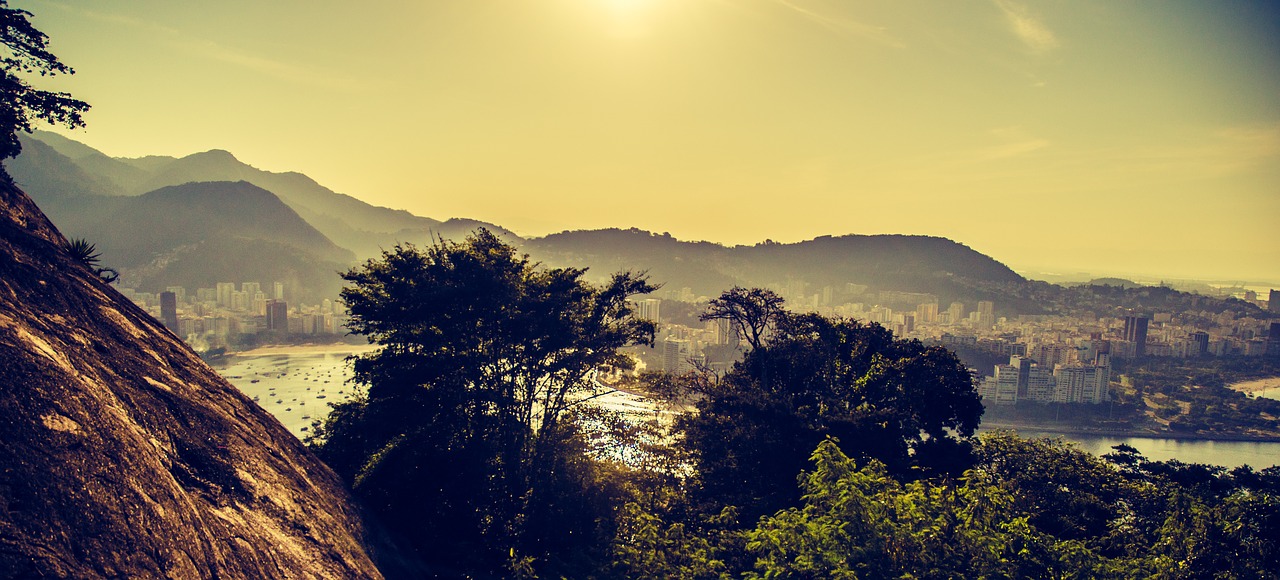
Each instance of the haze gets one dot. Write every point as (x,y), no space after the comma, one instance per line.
(1102,136)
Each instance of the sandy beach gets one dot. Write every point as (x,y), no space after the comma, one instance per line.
(1258,385)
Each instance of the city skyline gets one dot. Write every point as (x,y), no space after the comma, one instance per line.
(1057,138)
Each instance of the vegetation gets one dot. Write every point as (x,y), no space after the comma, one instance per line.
(87,254)
(25,51)
(831,449)
(469,444)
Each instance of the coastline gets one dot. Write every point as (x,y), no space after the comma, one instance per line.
(1136,434)
(1256,386)
(300,349)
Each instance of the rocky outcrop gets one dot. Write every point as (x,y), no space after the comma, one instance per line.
(123,455)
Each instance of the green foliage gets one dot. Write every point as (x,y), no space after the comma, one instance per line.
(896,401)
(468,444)
(86,253)
(25,51)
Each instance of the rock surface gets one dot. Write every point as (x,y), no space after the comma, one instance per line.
(123,455)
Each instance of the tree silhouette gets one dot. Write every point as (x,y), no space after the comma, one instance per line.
(751,312)
(25,51)
(468,442)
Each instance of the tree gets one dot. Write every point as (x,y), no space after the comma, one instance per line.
(25,51)
(468,442)
(896,401)
(751,312)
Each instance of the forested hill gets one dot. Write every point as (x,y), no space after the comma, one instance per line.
(934,265)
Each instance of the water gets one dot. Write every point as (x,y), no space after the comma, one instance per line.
(1258,454)
(297,388)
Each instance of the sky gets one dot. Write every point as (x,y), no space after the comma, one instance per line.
(1134,137)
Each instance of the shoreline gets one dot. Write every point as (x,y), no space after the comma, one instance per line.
(1255,386)
(1118,433)
(299,349)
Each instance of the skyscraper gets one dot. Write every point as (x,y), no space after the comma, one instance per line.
(169,311)
(1135,331)
(277,316)
(1273,300)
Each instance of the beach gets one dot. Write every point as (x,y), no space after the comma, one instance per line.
(1257,386)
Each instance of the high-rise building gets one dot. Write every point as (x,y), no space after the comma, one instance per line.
(986,312)
(277,316)
(1135,331)
(1273,338)
(1022,366)
(675,355)
(225,290)
(169,311)
(1201,340)
(1273,301)
(956,311)
(279,291)
(648,309)
(927,313)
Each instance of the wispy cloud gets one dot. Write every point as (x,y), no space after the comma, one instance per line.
(1030,30)
(215,51)
(878,34)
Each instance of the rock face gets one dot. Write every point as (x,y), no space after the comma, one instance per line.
(123,455)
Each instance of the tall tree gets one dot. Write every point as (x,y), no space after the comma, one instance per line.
(468,440)
(751,312)
(25,51)
(892,400)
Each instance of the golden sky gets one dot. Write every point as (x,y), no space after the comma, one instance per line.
(1103,136)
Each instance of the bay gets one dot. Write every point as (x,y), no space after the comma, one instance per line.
(297,384)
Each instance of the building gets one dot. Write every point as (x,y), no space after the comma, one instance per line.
(1081,383)
(169,312)
(648,309)
(277,316)
(224,292)
(675,355)
(1135,331)
(1273,301)
(1200,340)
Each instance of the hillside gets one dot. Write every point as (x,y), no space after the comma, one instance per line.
(197,234)
(351,223)
(934,265)
(125,456)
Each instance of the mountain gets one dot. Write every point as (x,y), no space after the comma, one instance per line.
(125,456)
(197,234)
(924,264)
(920,264)
(351,223)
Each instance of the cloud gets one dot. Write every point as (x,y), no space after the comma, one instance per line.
(211,50)
(1029,29)
(878,34)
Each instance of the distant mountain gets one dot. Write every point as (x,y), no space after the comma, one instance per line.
(855,268)
(125,456)
(349,222)
(939,266)
(198,234)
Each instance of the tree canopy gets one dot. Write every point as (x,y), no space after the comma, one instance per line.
(25,51)
(468,442)
(892,400)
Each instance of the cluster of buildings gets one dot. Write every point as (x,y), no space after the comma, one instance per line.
(1051,358)
(1023,379)
(229,312)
